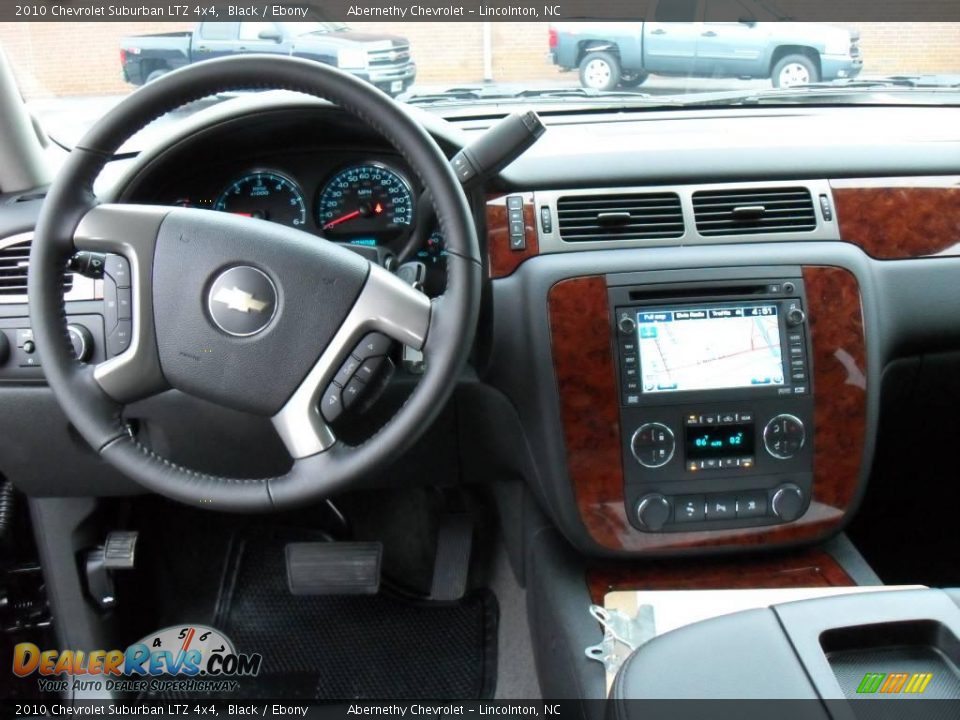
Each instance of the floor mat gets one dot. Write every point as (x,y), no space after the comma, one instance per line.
(352,647)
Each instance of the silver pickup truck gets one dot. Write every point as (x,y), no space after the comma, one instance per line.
(610,55)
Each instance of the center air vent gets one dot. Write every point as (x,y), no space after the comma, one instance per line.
(753,211)
(639,216)
(14,260)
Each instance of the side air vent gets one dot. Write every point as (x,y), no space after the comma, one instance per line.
(14,260)
(639,216)
(754,211)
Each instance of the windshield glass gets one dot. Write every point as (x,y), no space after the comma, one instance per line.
(689,53)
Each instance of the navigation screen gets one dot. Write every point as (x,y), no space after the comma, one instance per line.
(709,348)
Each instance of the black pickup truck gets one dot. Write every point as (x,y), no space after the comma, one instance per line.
(382,60)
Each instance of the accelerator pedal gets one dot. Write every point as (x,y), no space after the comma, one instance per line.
(451,565)
(333,568)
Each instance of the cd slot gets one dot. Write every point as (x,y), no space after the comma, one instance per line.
(692,293)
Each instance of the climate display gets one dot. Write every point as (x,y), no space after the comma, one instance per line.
(709,348)
(719,441)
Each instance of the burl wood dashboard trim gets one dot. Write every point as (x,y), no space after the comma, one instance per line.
(896,219)
(502,260)
(589,412)
(800,569)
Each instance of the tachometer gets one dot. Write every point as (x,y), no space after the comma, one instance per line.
(368,201)
(265,195)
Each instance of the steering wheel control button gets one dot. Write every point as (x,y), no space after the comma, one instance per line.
(653,445)
(347,371)
(751,505)
(242,301)
(368,371)
(330,405)
(372,345)
(117,269)
(653,512)
(351,393)
(119,339)
(721,507)
(784,436)
(787,502)
(689,508)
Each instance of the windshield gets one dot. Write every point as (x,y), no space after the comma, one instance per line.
(70,73)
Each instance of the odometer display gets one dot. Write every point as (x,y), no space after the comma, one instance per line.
(265,195)
(368,201)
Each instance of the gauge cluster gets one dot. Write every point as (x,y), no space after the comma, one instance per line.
(350,199)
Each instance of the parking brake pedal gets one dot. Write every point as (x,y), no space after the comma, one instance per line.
(333,568)
(117,553)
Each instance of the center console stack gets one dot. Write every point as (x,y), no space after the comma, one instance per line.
(716,398)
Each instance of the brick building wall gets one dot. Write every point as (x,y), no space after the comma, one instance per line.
(54,59)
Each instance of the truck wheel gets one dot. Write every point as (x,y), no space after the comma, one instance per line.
(633,80)
(156,74)
(599,71)
(794,70)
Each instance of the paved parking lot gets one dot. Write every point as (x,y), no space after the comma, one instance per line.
(67,118)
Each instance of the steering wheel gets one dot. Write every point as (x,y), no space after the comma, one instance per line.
(245,313)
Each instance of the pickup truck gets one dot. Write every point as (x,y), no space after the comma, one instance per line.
(609,55)
(382,60)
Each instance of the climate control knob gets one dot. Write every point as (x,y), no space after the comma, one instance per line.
(82,342)
(784,436)
(653,445)
(787,502)
(653,511)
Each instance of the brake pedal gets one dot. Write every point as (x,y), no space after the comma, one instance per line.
(333,568)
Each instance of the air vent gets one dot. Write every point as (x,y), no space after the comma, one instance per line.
(14,259)
(639,216)
(750,212)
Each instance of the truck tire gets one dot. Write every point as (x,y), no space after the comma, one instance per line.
(633,79)
(156,74)
(794,70)
(600,71)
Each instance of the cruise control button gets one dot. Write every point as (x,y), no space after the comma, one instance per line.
(330,405)
(372,345)
(721,507)
(117,267)
(752,504)
(688,508)
(119,339)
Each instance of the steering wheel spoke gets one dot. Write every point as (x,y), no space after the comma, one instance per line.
(386,305)
(129,232)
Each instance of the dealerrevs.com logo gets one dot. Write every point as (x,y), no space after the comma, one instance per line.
(186,658)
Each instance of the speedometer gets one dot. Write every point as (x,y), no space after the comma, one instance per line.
(265,195)
(366,202)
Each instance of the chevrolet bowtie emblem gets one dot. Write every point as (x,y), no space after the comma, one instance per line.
(237,299)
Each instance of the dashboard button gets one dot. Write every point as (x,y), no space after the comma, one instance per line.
(721,507)
(124,304)
(653,444)
(752,504)
(784,435)
(117,267)
(688,508)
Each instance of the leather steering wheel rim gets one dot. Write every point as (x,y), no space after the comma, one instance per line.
(71,220)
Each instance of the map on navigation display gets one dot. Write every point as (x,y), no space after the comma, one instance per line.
(709,348)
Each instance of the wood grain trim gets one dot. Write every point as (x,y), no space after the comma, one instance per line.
(803,569)
(899,222)
(502,260)
(589,413)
